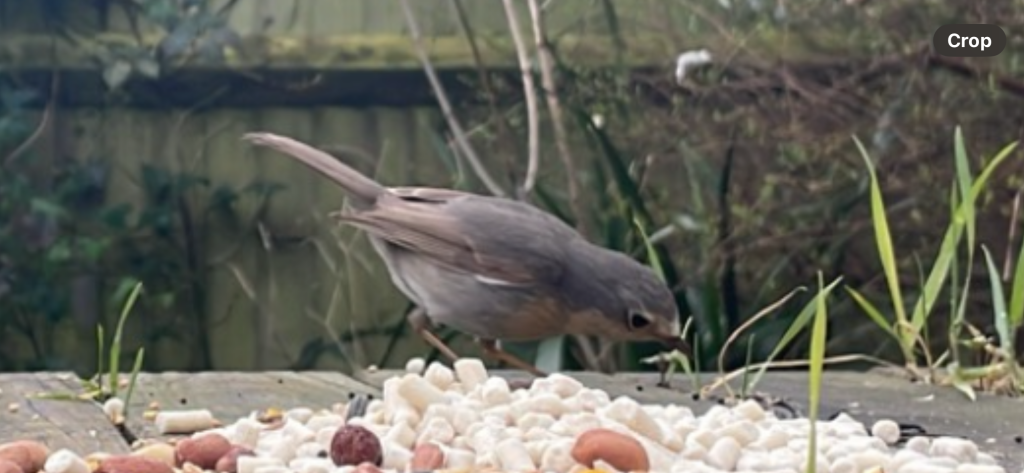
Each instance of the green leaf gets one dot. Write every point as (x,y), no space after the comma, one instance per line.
(963,174)
(1016,312)
(947,250)
(1002,322)
(115,345)
(819,337)
(136,368)
(883,241)
(795,327)
(116,73)
(46,207)
(872,312)
(652,255)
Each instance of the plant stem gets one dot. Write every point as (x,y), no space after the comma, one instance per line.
(533,130)
(547,78)
(446,107)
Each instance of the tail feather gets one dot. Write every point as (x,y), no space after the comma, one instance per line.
(361,188)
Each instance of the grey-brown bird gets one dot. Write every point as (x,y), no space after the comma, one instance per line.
(495,268)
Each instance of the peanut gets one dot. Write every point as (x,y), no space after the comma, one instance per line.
(622,452)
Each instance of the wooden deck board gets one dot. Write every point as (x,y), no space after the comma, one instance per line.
(231,395)
(80,426)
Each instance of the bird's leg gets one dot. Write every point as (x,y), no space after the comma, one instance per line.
(492,349)
(421,324)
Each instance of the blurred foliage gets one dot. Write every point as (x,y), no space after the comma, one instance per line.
(62,242)
(745,167)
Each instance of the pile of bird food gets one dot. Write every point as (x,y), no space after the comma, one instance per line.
(465,421)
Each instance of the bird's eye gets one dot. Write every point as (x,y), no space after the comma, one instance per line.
(638,321)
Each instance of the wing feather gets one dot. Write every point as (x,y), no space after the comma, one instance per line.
(426,229)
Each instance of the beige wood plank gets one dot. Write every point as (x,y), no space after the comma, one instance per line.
(79,426)
(231,395)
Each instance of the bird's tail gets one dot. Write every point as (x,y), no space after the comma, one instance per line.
(361,188)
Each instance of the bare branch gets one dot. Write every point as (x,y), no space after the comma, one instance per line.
(547,77)
(531,100)
(446,107)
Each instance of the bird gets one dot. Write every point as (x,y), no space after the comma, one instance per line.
(494,268)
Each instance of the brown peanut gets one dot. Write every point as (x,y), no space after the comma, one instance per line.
(203,451)
(426,457)
(29,455)
(622,452)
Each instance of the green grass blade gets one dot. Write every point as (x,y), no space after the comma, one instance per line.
(886,253)
(963,174)
(795,327)
(652,255)
(136,368)
(115,345)
(1002,322)
(1016,312)
(100,351)
(947,250)
(872,312)
(819,337)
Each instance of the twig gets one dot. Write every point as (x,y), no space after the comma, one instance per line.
(533,145)
(446,107)
(547,78)
(507,139)
(43,122)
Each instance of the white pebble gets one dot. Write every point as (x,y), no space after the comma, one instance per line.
(694,451)
(459,458)
(744,431)
(495,391)
(320,421)
(751,410)
(439,375)
(249,464)
(963,451)
(513,456)
(629,413)
(843,465)
(559,384)
(309,450)
(272,469)
(976,468)
(436,430)
(415,365)
(724,453)
(887,430)
(400,434)
(869,458)
(65,461)
(246,432)
(114,409)
(184,422)
(471,373)
(300,414)
(312,465)
(418,392)
(395,456)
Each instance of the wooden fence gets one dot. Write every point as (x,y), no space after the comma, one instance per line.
(330,72)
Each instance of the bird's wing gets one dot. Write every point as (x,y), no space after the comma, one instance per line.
(428,228)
